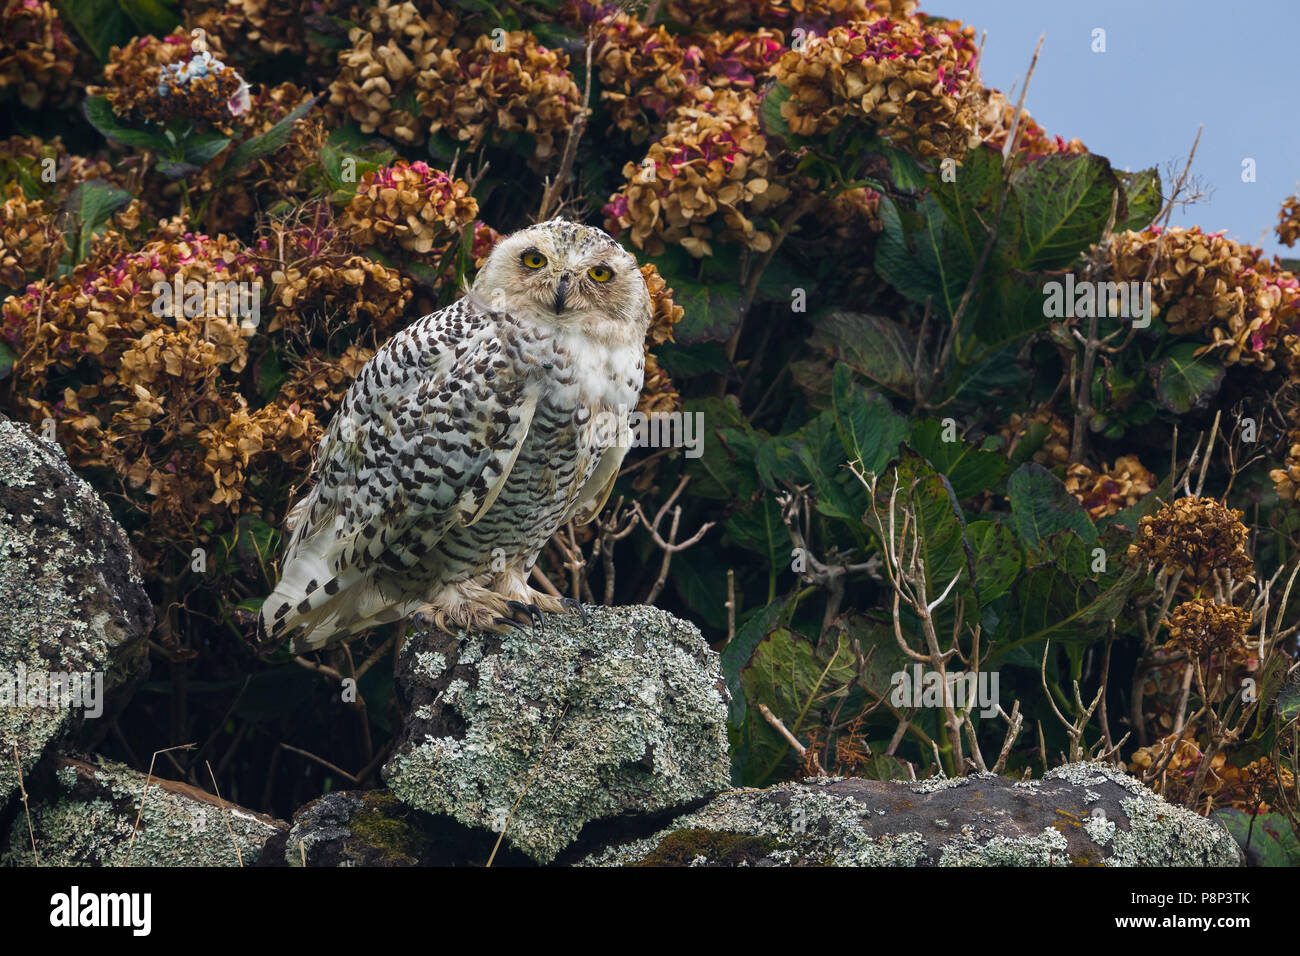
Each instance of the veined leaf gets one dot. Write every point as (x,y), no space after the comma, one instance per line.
(250,150)
(100,114)
(1065,201)
(1185,380)
(1040,506)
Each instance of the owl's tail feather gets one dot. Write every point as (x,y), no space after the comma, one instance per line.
(325,607)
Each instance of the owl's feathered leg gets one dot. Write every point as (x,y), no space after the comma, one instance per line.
(513,584)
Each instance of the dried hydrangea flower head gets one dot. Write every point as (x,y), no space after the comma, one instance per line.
(183,78)
(1199,536)
(1109,490)
(175,76)
(1288,221)
(37,58)
(912,79)
(500,86)
(708,177)
(1204,628)
(1204,284)
(409,205)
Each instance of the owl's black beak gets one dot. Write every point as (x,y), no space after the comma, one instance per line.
(561,291)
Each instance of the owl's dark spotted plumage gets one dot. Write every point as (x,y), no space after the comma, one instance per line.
(467,440)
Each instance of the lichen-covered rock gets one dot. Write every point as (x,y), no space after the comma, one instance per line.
(1083,814)
(541,732)
(74,614)
(357,828)
(89,817)
(366,828)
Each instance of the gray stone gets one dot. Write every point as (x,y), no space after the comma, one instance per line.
(89,818)
(71,602)
(1077,815)
(544,731)
(359,828)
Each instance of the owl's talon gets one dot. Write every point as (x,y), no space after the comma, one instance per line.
(532,610)
(512,622)
(575,606)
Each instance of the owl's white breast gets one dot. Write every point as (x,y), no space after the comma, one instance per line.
(604,377)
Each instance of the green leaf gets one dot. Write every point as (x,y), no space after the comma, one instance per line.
(1052,602)
(860,427)
(100,115)
(101,24)
(1288,698)
(700,581)
(710,313)
(173,169)
(250,150)
(968,202)
(925,494)
(202,146)
(1142,191)
(1267,839)
(1185,380)
(1035,435)
(759,528)
(997,558)
(270,375)
(970,471)
(875,347)
(152,17)
(724,468)
(90,205)
(1065,201)
(1040,506)
(7,361)
(773,123)
(795,682)
(868,426)
(750,632)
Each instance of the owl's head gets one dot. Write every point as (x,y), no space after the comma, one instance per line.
(567,275)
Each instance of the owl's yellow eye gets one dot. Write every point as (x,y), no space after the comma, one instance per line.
(600,273)
(533,259)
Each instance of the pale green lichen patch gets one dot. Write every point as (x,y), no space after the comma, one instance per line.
(1048,848)
(935,784)
(574,723)
(1090,774)
(1161,834)
(1100,829)
(90,818)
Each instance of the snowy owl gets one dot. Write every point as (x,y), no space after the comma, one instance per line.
(466,441)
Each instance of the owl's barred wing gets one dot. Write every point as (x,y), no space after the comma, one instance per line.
(593,495)
(425,439)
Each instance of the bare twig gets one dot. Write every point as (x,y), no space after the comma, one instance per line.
(18,766)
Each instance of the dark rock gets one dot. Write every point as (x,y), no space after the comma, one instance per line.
(1078,815)
(541,733)
(374,828)
(71,603)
